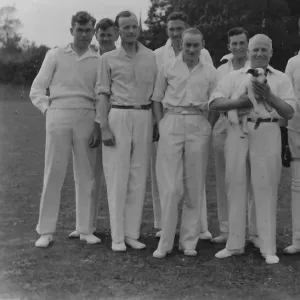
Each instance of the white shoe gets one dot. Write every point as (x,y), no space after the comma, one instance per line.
(291,250)
(221,239)
(227,253)
(158,234)
(75,234)
(206,235)
(254,240)
(188,252)
(135,244)
(118,247)
(158,254)
(90,239)
(44,241)
(271,259)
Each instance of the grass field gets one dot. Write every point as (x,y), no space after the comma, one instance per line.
(70,269)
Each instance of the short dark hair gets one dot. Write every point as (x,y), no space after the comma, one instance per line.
(123,14)
(193,30)
(104,24)
(82,18)
(175,15)
(237,31)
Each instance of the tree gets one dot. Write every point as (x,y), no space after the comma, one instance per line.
(215,17)
(9,25)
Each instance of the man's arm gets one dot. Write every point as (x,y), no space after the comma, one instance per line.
(102,104)
(284,103)
(42,82)
(221,99)
(158,95)
(213,116)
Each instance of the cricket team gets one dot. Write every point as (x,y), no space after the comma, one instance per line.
(164,109)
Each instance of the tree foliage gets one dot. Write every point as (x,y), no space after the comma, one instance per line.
(9,26)
(20,59)
(277,18)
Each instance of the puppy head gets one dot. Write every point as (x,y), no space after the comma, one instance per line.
(259,74)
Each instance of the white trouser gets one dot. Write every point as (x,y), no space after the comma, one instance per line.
(126,168)
(262,150)
(294,143)
(68,130)
(156,199)
(219,140)
(182,157)
(100,185)
(154,189)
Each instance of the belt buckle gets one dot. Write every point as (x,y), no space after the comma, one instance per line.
(137,106)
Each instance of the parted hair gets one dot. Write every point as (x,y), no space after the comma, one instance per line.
(237,31)
(104,24)
(176,15)
(82,18)
(123,14)
(193,30)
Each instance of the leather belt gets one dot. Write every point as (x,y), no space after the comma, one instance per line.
(184,110)
(261,120)
(138,107)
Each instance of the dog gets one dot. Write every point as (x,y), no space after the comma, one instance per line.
(260,108)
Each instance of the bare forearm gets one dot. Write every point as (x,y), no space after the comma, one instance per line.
(282,108)
(225,104)
(102,109)
(157,111)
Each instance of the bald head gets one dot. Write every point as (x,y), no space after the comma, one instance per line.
(260,51)
(260,39)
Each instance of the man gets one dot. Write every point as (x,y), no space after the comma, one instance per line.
(106,35)
(127,78)
(261,149)
(293,71)
(182,89)
(70,126)
(237,59)
(176,24)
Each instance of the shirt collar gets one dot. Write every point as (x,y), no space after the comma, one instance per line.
(122,52)
(89,53)
(248,67)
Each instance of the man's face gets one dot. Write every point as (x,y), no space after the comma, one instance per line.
(238,45)
(175,29)
(260,52)
(128,29)
(106,38)
(83,34)
(191,46)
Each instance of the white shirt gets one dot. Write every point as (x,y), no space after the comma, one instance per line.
(293,71)
(166,54)
(222,72)
(176,85)
(279,83)
(70,78)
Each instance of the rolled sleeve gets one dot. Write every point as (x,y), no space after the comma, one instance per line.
(223,90)
(286,92)
(42,81)
(104,77)
(160,86)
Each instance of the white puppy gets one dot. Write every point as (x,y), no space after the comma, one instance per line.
(258,75)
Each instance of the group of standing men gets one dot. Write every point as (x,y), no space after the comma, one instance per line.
(112,96)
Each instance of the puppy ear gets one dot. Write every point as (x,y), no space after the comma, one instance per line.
(252,72)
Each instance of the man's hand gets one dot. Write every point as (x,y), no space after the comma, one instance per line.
(95,138)
(155,133)
(108,138)
(263,91)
